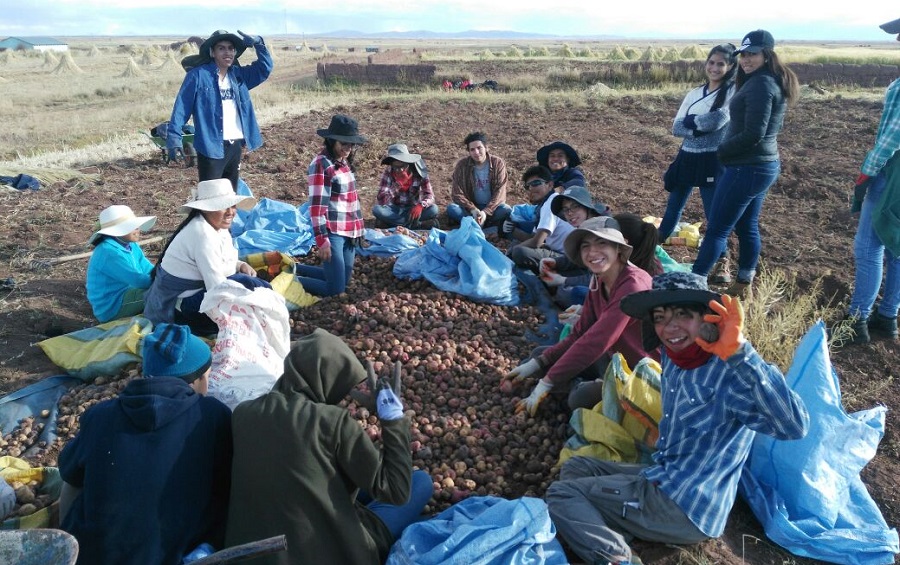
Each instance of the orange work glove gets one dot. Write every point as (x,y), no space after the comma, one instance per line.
(415,212)
(729,318)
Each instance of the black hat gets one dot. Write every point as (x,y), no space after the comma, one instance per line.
(891,27)
(756,41)
(342,128)
(580,195)
(543,154)
(222,35)
(675,287)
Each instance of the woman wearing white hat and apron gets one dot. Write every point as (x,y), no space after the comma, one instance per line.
(118,273)
(199,256)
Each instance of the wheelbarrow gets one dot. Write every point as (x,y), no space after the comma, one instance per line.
(38,546)
(187,144)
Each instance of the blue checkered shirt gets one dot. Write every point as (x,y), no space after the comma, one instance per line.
(710,416)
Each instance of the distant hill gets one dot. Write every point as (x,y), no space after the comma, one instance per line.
(470,34)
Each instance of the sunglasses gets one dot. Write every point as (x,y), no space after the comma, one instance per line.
(535,183)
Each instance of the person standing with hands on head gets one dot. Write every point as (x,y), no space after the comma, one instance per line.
(479,185)
(717,394)
(216,93)
(334,210)
(405,197)
(749,152)
(876,247)
(305,468)
(701,122)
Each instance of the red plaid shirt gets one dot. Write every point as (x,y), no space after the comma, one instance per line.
(333,200)
(419,193)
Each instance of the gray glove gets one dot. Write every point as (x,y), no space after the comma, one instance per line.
(251,40)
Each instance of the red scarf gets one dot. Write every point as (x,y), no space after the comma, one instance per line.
(403,179)
(690,357)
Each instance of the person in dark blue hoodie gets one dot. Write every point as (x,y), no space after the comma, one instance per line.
(147,478)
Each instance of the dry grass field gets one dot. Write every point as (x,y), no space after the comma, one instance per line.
(80,133)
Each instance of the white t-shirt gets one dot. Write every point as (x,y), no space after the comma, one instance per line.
(231,120)
(559,229)
(201,252)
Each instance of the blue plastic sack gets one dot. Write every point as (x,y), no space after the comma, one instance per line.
(380,244)
(482,530)
(273,225)
(523,213)
(462,261)
(807,493)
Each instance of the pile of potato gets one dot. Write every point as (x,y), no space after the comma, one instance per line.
(454,351)
(29,499)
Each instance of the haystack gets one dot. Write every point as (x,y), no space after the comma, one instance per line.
(132,69)
(187,48)
(94,52)
(565,51)
(617,54)
(147,59)
(692,52)
(513,52)
(651,54)
(170,62)
(672,55)
(7,56)
(67,65)
(50,59)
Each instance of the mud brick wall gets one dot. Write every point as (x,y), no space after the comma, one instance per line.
(376,73)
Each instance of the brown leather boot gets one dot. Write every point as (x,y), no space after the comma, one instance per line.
(721,273)
(740,289)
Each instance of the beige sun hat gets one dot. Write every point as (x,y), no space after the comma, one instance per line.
(119,220)
(214,195)
(604,227)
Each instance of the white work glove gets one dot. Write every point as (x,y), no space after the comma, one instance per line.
(540,392)
(548,264)
(389,405)
(524,370)
(570,313)
(552,278)
(480,217)
(508,226)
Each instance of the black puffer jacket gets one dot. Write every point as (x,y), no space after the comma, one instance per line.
(757,114)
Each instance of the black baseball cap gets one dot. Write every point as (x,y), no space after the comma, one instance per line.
(756,41)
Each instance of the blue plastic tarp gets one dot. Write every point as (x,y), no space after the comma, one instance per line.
(482,530)
(32,400)
(464,262)
(807,493)
(381,244)
(272,225)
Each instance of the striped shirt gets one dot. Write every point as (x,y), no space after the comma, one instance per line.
(333,200)
(887,142)
(710,416)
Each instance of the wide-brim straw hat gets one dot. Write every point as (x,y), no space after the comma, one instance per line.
(543,154)
(214,195)
(399,152)
(604,227)
(118,221)
(674,287)
(344,129)
(222,35)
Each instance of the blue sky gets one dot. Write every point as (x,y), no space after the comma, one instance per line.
(653,19)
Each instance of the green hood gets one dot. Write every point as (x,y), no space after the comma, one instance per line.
(321,367)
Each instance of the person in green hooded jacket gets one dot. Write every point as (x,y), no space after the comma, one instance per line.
(303,467)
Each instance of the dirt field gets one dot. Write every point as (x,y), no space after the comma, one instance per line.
(625,145)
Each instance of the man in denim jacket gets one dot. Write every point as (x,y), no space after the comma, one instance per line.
(216,92)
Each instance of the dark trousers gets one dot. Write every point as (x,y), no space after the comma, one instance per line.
(228,167)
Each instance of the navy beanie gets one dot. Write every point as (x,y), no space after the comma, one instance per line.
(173,351)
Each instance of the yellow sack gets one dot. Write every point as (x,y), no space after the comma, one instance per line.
(624,426)
(101,350)
(13,469)
(278,269)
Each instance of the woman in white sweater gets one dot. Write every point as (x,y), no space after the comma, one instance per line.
(200,255)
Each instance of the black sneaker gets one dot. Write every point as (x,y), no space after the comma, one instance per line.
(882,326)
(860,327)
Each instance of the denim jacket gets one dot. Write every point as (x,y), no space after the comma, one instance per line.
(199,97)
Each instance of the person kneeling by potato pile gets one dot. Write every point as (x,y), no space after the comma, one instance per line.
(718,394)
(301,462)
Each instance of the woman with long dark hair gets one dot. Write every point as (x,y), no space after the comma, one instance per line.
(749,152)
(701,122)
(333,209)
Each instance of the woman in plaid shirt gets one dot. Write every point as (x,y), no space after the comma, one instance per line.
(333,209)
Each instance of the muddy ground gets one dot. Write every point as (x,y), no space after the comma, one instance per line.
(625,145)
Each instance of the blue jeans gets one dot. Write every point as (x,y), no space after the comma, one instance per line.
(456,213)
(334,275)
(872,258)
(677,200)
(394,215)
(396,518)
(736,205)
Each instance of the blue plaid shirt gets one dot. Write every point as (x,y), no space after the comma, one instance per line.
(710,416)
(887,142)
